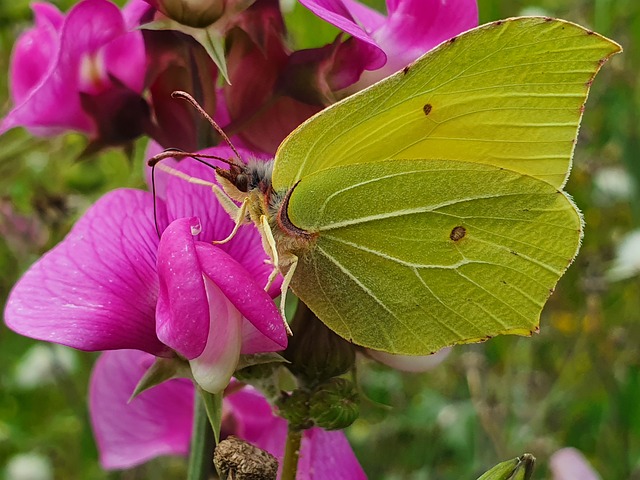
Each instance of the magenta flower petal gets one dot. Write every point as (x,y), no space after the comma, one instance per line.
(416,26)
(323,455)
(182,314)
(213,369)
(185,199)
(244,293)
(35,50)
(156,422)
(125,57)
(76,63)
(97,289)
(354,19)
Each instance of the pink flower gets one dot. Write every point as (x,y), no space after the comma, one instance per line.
(570,464)
(69,73)
(112,284)
(384,45)
(158,422)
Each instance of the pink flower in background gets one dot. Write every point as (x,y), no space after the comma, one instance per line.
(383,45)
(112,284)
(570,464)
(59,65)
(158,422)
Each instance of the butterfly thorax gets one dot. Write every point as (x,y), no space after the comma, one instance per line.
(252,183)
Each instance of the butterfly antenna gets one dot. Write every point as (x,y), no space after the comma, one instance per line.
(176,153)
(155,203)
(196,105)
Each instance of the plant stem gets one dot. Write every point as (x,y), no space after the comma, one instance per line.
(291,454)
(202,444)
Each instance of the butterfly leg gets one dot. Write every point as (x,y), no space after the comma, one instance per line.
(292,261)
(269,245)
(237,214)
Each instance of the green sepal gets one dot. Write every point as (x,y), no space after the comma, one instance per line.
(163,369)
(210,38)
(213,406)
(519,468)
(260,359)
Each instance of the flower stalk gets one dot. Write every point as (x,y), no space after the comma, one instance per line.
(291,453)
(202,443)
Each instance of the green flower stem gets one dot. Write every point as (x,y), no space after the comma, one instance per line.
(202,444)
(291,454)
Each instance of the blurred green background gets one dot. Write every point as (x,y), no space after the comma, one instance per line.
(576,384)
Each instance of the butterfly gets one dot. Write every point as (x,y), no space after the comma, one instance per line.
(427,210)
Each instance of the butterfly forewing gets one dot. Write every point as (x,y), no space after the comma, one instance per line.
(508,94)
(414,255)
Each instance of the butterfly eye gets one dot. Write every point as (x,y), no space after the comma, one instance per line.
(242,182)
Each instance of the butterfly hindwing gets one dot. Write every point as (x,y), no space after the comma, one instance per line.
(413,255)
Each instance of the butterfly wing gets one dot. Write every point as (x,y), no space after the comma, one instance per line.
(508,94)
(414,255)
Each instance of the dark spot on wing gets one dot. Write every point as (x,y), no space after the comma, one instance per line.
(427,108)
(453,39)
(457,233)
(405,70)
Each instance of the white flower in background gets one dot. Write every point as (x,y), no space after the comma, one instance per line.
(612,184)
(534,12)
(569,464)
(627,261)
(28,466)
(410,363)
(42,364)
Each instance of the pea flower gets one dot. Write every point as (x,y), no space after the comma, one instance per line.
(383,45)
(158,422)
(79,72)
(112,284)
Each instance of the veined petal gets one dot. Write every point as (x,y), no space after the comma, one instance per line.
(156,422)
(97,289)
(242,290)
(213,369)
(182,314)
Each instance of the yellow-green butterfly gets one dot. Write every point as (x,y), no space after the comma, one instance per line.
(428,210)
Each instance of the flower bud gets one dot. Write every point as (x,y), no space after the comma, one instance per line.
(335,404)
(294,408)
(192,13)
(315,352)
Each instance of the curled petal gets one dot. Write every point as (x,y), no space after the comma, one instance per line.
(244,293)
(213,369)
(182,314)
(355,19)
(156,422)
(97,289)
